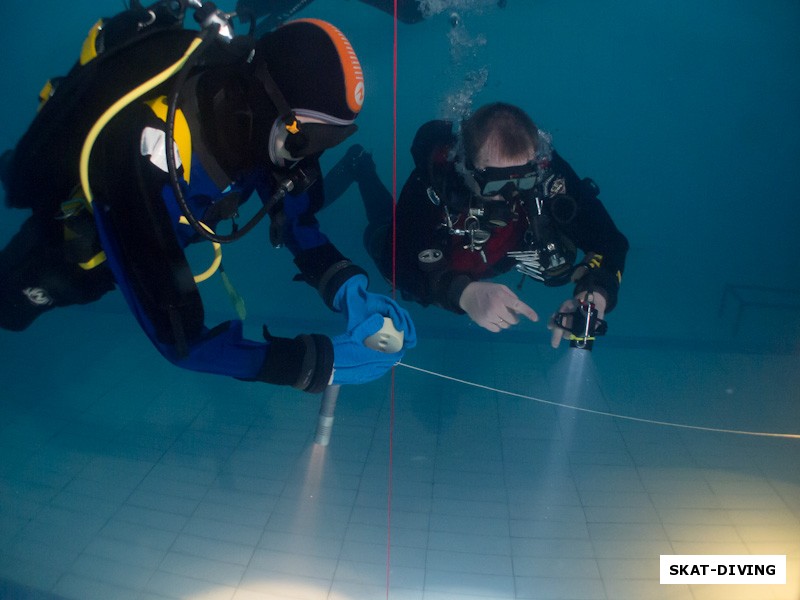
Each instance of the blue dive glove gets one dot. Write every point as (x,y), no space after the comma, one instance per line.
(353,362)
(357,304)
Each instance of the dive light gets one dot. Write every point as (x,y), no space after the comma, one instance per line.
(584,324)
(387,339)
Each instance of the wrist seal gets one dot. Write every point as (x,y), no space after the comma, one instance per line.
(304,363)
(326,269)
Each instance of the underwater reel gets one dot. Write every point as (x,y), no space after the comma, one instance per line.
(584,324)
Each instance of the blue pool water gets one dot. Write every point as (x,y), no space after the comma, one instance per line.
(526,472)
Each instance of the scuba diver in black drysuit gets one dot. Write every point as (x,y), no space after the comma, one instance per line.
(157,137)
(489,195)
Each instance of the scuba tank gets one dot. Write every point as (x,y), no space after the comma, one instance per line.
(136,55)
(139,54)
(119,54)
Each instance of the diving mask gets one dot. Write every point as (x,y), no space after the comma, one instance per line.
(310,133)
(494,181)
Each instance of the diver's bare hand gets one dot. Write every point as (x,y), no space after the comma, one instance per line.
(494,306)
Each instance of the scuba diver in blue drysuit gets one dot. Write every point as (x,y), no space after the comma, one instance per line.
(169,167)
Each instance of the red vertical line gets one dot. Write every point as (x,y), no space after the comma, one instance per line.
(394,157)
(394,295)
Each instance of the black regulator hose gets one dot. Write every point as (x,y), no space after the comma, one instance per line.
(208,36)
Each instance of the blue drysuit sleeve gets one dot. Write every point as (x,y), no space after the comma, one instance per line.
(321,265)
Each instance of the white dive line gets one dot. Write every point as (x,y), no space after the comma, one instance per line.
(789,436)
